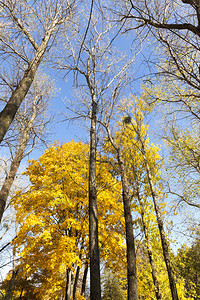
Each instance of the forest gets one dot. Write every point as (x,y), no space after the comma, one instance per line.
(100,149)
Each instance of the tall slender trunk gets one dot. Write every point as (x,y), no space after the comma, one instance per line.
(5,189)
(161,230)
(83,287)
(95,287)
(76,282)
(77,271)
(8,113)
(146,234)
(130,241)
(69,285)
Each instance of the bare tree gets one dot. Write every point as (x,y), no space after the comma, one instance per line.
(176,26)
(26,130)
(175,72)
(28,31)
(98,79)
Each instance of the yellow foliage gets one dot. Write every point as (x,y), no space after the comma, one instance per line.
(53,216)
(141,158)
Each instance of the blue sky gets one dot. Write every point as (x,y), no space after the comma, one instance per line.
(76,130)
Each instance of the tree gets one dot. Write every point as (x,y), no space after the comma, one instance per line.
(184,157)
(140,160)
(187,267)
(29,28)
(113,146)
(139,130)
(112,287)
(53,217)
(145,229)
(126,153)
(146,285)
(175,72)
(98,79)
(137,178)
(176,27)
(23,289)
(26,131)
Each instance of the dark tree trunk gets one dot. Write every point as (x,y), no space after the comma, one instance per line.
(152,262)
(8,113)
(159,218)
(95,287)
(83,287)
(149,248)
(130,241)
(77,271)
(21,293)
(76,282)
(5,189)
(161,230)
(69,285)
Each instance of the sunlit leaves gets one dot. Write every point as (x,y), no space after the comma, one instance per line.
(53,215)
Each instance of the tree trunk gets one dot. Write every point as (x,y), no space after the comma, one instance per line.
(8,113)
(76,282)
(83,287)
(69,285)
(161,230)
(77,270)
(149,248)
(130,241)
(5,189)
(95,287)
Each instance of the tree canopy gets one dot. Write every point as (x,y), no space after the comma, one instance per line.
(53,216)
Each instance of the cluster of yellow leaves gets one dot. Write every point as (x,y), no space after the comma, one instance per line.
(132,138)
(53,216)
(138,152)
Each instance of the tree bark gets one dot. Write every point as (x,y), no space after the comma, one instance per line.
(83,287)
(161,230)
(158,216)
(5,189)
(8,113)
(95,287)
(76,282)
(69,285)
(149,248)
(130,241)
